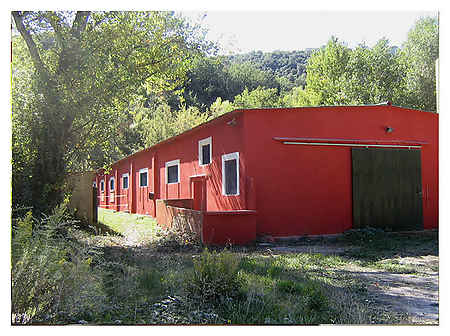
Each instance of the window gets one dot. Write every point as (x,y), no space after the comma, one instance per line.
(94,184)
(125,181)
(111,184)
(173,171)
(102,185)
(230,174)
(205,151)
(143,177)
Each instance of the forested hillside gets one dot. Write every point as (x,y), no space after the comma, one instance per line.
(289,66)
(87,96)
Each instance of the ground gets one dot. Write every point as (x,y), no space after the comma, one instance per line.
(374,276)
(417,294)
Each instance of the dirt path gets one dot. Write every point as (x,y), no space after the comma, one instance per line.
(414,294)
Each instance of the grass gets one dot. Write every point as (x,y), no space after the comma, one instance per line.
(382,250)
(143,227)
(168,278)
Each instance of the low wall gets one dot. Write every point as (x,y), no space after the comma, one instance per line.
(229,227)
(178,214)
(213,228)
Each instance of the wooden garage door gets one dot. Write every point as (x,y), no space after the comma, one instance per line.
(387,189)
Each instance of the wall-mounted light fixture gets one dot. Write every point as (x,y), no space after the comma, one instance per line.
(389,129)
(232,122)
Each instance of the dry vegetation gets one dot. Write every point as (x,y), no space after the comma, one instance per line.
(169,278)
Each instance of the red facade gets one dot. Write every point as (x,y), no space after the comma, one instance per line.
(294,167)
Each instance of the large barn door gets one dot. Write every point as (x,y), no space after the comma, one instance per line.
(387,189)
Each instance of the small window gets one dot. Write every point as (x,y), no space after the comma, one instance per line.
(94,184)
(205,151)
(230,174)
(125,181)
(111,184)
(173,171)
(143,177)
(102,185)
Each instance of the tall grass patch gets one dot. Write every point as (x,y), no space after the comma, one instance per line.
(215,277)
(53,278)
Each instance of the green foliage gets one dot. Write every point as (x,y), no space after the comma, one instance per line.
(287,67)
(298,97)
(215,277)
(51,275)
(325,72)
(259,97)
(161,122)
(220,107)
(418,57)
(214,77)
(86,70)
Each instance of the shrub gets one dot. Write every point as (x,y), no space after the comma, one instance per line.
(215,277)
(51,275)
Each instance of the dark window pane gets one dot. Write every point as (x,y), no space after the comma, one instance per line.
(143,179)
(206,157)
(172,174)
(125,182)
(102,186)
(111,184)
(230,177)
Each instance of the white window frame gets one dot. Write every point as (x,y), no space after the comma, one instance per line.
(102,185)
(171,164)
(201,143)
(227,157)
(112,179)
(127,175)
(141,171)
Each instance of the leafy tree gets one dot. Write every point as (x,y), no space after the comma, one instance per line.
(298,97)
(212,77)
(373,75)
(220,107)
(325,72)
(259,97)
(160,123)
(418,55)
(87,68)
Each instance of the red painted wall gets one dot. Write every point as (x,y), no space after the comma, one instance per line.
(308,189)
(230,227)
(295,189)
(226,138)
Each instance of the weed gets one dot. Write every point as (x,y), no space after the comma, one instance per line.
(52,275)
(215,277)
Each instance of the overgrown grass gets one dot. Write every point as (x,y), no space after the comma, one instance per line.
(170,280)
(53,276)
(141,228)
(378,249)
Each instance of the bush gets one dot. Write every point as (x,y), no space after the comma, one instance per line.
(51,276)
(215,277)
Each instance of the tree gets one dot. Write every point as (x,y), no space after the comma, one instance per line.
(259,97)
(87,68)
(325,72)
(299,97)
(373,75)
(418,55)
(157,124)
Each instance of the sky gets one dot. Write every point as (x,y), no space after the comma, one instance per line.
(244,31)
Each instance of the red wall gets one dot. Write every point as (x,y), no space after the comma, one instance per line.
(226,138)
(295,189)
(308,189)
(230,227)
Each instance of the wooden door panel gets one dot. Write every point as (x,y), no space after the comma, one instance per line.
(387,189)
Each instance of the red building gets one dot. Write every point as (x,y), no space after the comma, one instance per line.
(289,172)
